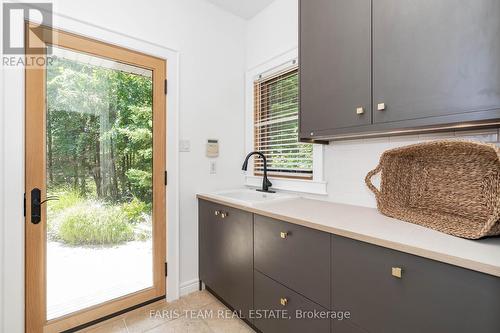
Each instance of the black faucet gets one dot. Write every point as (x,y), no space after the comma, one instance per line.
(266,184)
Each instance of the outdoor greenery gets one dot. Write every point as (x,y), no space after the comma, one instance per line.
(93,223)
(99,153)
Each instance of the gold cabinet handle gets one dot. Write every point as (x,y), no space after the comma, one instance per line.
(381,106)
(360,110)
(397,272)
(283,301)
(224,215)
(217,212)
(283,234)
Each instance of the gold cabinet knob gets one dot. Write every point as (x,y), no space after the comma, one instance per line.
(283,301)
(397,272)
(217,213)
(224,215)
(381,106)
(283,234)
(360,110)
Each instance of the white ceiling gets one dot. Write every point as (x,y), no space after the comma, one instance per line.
(243,8)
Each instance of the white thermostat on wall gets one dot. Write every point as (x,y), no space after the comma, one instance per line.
(212,148)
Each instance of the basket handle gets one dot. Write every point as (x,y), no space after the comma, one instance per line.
(368,180)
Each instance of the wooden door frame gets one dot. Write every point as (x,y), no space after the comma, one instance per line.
(35,235)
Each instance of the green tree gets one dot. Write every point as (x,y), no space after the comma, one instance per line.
(99,131)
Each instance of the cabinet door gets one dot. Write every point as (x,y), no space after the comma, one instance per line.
(429,297)
(236,240)
(436,62)
(335,65)
(362,284)
(210,247)
(226,254)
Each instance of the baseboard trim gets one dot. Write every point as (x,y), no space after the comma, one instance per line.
(189,287)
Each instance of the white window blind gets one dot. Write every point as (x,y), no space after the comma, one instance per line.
(276,113)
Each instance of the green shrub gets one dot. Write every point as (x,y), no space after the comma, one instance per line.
(140,184)
(92,223)
(66,198)
(135,210)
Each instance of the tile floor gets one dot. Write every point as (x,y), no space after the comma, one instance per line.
(199,312)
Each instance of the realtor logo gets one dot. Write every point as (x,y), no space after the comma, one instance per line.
(14,16)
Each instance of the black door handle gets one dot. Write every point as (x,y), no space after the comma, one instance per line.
(36,205)
(36,209)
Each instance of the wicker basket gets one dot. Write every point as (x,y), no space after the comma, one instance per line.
(449,186)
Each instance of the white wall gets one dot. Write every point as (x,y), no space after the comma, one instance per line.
(273,32)
(211,47)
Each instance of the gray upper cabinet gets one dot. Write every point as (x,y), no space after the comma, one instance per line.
(430,64)
(437,60)
(335,73)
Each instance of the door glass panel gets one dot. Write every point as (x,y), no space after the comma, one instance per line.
(99,166)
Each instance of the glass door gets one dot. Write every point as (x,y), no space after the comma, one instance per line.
(95,159)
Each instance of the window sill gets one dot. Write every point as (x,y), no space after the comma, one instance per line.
(294,185)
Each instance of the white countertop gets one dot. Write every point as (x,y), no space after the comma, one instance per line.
(368,225)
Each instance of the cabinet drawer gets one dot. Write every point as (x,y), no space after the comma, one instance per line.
(430,296)
(296,256)
(345,326)
(268,296)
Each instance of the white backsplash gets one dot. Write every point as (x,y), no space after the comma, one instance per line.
(347,162)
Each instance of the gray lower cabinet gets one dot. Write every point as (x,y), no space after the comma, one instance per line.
(429,297)
(295,256)
(257,264)
(226,253)
(347,326)
(271,295)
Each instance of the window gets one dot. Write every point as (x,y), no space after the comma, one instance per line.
(276,111)
(271,118)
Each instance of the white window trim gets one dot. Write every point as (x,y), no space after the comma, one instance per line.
(315,186)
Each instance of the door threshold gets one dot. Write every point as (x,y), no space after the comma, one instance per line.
(116,314)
